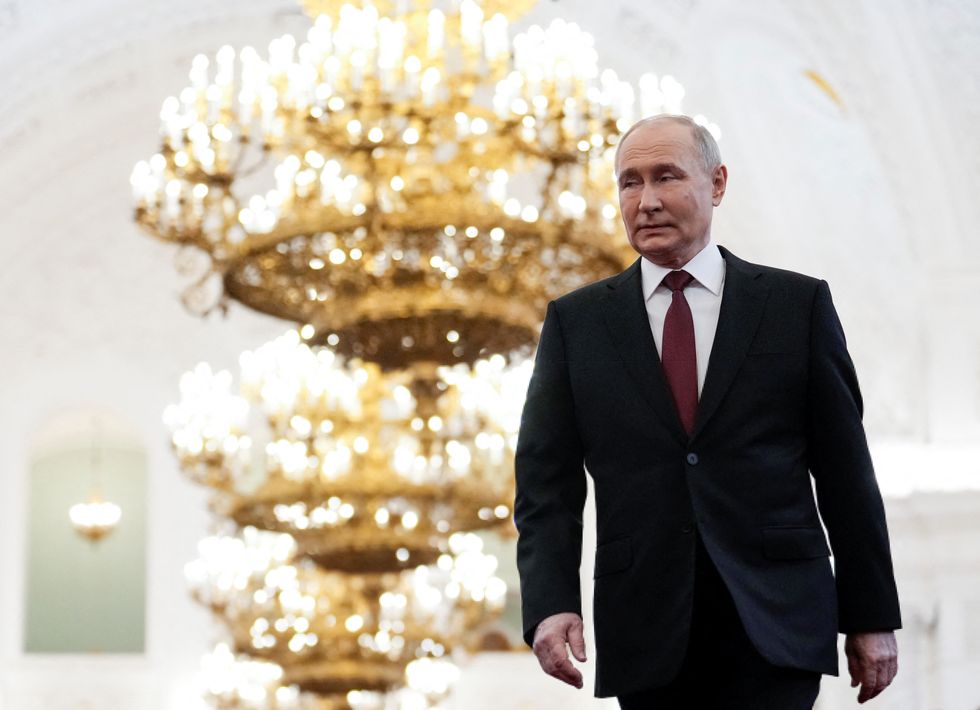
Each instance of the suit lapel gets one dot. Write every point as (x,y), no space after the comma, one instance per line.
(626,317)
(742,304)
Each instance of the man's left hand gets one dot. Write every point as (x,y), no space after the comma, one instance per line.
(872,660)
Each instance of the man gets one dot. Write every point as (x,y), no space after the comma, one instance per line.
(702,393)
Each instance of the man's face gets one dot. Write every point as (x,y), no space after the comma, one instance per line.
(665,195)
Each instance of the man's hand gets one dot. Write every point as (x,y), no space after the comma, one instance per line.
(549,646)
(872,660)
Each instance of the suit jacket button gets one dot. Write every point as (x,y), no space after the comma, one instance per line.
(692,459)
(687,529)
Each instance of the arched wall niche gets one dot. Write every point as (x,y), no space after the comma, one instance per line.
(85,596)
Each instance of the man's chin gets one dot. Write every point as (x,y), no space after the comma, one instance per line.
(649,242)
(663,252)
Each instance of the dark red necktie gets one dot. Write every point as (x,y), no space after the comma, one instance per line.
(678,356)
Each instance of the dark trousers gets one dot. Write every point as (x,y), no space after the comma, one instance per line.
(722,670)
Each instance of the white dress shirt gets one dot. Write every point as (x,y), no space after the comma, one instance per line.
(703,295)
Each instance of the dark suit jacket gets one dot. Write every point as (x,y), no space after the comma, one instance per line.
(780,404)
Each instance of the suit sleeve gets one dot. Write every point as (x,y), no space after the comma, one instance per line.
(847,492)
(551,487)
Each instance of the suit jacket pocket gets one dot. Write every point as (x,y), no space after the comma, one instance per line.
(794,543)
(613,556)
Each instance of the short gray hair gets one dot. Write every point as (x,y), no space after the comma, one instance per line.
(705,143)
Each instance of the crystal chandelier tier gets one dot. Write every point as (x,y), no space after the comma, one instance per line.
(238,682)
(404,172)
(368,471)
(329,631)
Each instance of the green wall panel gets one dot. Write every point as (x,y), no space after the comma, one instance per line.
(85,597)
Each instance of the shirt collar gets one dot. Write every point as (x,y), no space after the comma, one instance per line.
(707,267)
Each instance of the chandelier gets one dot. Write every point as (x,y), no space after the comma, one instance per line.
(95,518)
(410,186)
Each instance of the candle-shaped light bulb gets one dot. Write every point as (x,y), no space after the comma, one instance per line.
(436,35)
(470,24)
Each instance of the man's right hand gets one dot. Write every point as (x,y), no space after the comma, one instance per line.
(550,639)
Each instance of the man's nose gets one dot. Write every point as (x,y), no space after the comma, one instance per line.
(650,199)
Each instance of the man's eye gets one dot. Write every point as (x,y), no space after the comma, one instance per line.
(630,183)
(666,177)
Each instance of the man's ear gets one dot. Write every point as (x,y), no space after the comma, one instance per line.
(719,181)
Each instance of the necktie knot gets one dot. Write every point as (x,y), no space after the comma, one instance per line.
(677,280)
